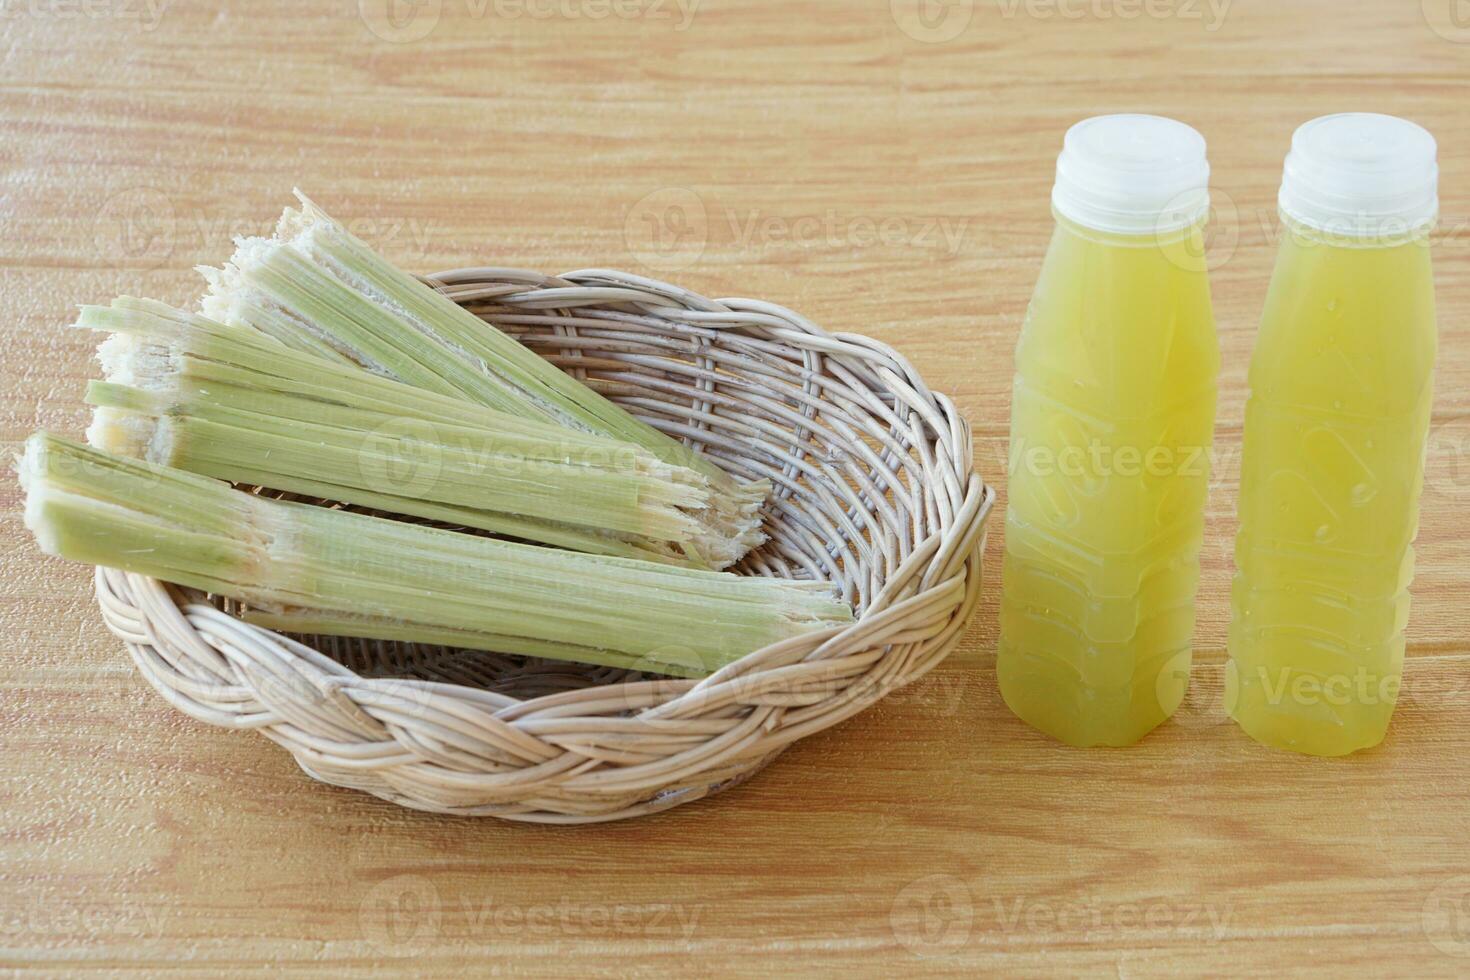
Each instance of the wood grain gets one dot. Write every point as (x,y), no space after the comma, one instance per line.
(813,154)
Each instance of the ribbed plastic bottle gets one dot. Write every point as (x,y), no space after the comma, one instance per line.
(1335,430)
(1112,420)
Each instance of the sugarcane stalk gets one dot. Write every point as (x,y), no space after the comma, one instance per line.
(336,572)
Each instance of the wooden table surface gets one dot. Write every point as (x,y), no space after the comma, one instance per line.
(883,168)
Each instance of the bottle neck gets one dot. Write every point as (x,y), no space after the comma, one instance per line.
(1183,248)
(1121,240)
(1382,235)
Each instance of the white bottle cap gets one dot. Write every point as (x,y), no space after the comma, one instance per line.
(1361,175)
(1132,175)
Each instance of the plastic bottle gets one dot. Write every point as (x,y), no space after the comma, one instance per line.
(1335,429)
(1112,421)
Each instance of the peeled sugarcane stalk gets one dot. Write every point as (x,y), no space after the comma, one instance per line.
(336,572)
(231,403)
(318,289)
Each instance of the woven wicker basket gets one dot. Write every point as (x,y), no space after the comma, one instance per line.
(874,490)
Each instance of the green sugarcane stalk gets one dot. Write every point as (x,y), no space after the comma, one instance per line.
(232,403)
(317,287)
(337,572)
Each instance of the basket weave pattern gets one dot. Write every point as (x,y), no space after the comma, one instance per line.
(873,490)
